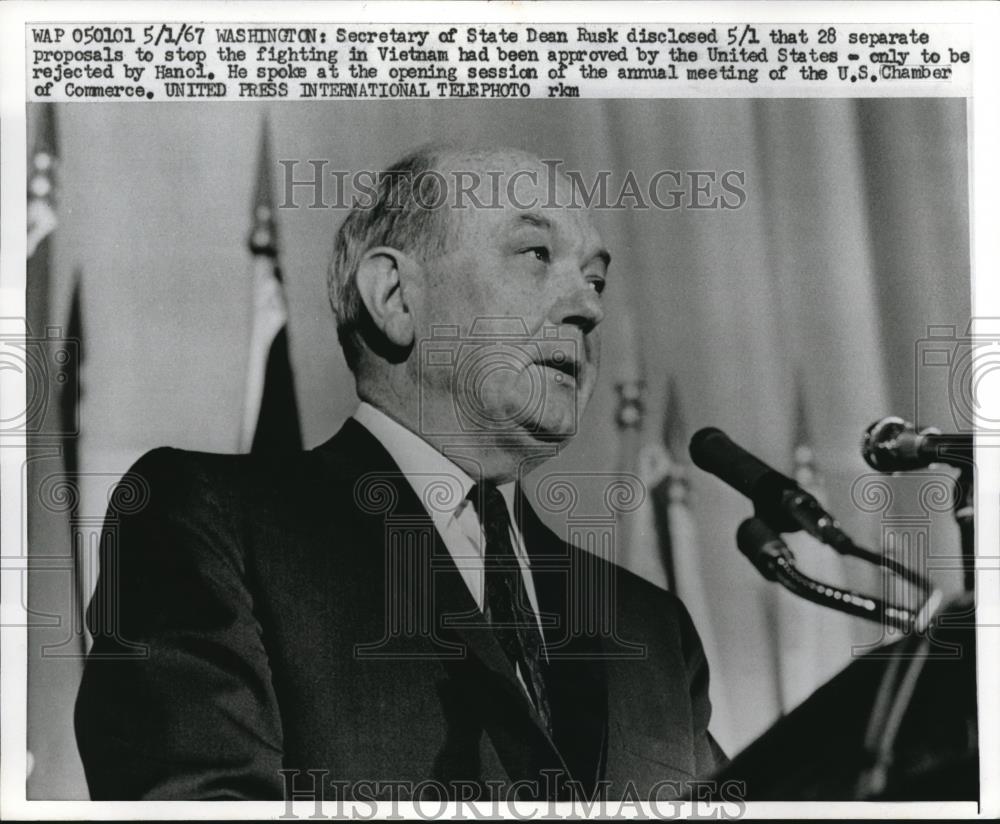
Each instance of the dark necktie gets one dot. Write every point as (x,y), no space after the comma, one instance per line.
(507,607)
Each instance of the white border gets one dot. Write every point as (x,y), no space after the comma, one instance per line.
(985,130)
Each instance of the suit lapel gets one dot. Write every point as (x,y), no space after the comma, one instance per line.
(465,645)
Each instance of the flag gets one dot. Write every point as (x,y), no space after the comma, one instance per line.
(41,213)
(686,556)
(55,639)
(652,546)
(632,548)
(813,643)
(634,542)
(658,472)
(270,412)
(677,522)
(665,548)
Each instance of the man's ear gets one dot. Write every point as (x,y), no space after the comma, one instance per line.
(380,281)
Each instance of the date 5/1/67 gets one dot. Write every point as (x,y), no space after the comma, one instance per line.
(172,35)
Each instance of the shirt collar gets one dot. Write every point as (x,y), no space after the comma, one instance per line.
(441,485)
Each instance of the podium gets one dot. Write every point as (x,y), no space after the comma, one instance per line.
(925,688)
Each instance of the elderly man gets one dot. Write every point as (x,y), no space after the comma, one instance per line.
(385,613)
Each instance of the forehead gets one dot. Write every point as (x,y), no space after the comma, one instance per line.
(511,193)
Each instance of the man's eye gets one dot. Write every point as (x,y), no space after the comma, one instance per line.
(540,253)
(598,284)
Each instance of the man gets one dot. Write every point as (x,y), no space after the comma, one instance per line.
(386,607)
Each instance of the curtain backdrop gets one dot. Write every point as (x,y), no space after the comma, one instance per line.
(804,308)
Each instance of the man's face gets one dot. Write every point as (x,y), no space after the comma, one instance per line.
(522,283)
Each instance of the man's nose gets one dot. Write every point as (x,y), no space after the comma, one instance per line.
(581,307)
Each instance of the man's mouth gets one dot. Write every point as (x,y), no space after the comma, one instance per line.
(563,365)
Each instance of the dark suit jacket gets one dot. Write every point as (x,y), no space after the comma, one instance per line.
(258,614)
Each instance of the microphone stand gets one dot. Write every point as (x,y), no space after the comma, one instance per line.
(761,544)
(892,444)
(898,683)
(843,600)
(765,549)
(895,691)
(846,546)
(806,514)
(964,513)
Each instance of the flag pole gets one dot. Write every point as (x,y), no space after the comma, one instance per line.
(270,412)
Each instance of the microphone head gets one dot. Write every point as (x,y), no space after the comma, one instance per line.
(895,445)
(762,546)
(703,446)
(714,451)
(888,443)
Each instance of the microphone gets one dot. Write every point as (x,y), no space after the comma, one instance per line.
(775,561)
(894,445)
(782,503)
(777,499)
(763,547)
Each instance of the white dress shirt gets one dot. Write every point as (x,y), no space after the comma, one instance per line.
(443,489)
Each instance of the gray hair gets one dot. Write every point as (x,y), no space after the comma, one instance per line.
(397,215)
